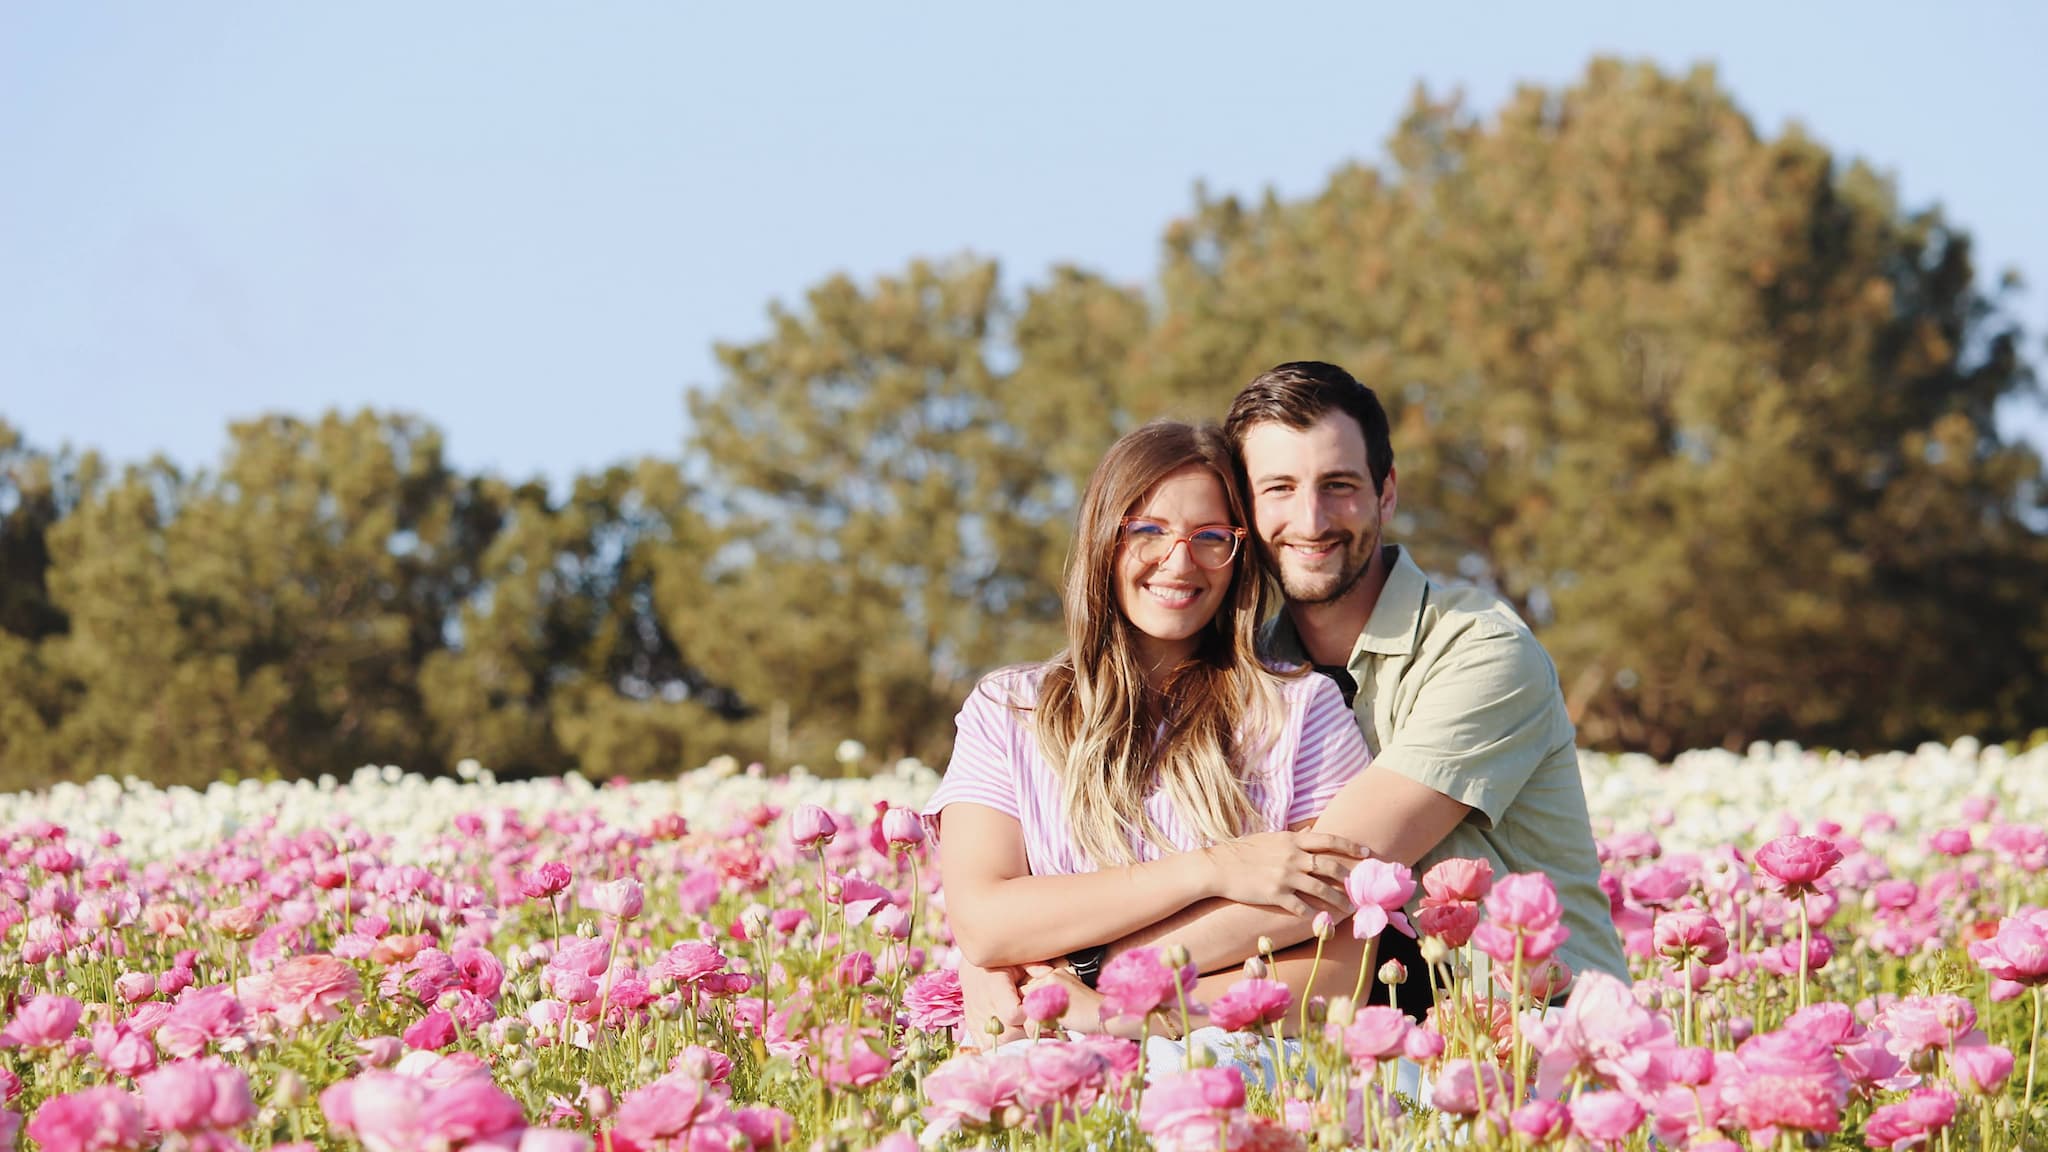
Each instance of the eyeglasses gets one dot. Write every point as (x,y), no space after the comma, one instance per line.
(1210,546)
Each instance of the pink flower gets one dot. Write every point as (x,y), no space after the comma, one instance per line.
(194,1095)
(933,1001)
(103,1119)
(122,1050)
(2018,952)
(41,1022)
(1457,880)
(902,828)
(313,989)
(689,962)
(1605,1119)
(1195,1109)
(1452,923)
(481,973)
(1062,1080)
(546,881)
(1908,1123)
(1924,1023)
(1981,1069)
(811,826)
(620,899)
(134,987)
(1950,841)
(1795,864)
(1139,982)
(1461,1089)
(970,1092)
(849,1057)
(432,1032)
(1046,1003)
(471,1108)
(1374,1034)
(1691,938)
(1250,1002)
(1604,1031)
(1542,1121)
(1787,1080)
(1379,889)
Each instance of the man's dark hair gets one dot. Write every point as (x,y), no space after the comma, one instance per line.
(1299,394)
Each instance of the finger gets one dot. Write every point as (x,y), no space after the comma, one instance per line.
(1319,891)
(1326,842)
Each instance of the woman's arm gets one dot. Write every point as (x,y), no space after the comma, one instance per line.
(1002,915)
(1333,973)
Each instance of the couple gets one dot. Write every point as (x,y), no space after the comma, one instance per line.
(1181,775)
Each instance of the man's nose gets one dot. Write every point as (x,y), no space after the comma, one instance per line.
(1314,516)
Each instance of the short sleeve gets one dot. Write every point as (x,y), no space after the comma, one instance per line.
(1330,752)
(1486,715)
(983,769)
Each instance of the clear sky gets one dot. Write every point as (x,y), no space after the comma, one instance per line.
(529,223)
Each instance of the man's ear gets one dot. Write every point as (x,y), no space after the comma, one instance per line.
(1387,500)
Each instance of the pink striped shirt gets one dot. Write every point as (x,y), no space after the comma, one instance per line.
(997,763)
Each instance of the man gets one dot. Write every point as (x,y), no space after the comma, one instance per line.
(1473,752)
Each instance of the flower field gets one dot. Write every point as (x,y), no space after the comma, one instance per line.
(1828,951)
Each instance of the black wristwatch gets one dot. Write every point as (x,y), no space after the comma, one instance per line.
(1087,963)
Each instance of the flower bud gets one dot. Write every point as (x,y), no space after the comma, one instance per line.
(1176,955)
(1393,972)
(1434,951)
(1254,968)
(994,1026)
(1265,945)
(1341,1011)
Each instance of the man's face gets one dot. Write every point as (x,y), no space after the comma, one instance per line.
(1314,507)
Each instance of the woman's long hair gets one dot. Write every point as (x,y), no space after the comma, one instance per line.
(1108,736)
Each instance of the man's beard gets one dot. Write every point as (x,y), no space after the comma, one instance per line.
(1346,580)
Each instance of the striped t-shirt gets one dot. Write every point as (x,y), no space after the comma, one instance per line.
(997,763)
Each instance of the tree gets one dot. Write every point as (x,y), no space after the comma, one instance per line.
(1710,409)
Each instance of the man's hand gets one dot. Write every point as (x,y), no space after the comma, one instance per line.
(1296,872)
(990,993)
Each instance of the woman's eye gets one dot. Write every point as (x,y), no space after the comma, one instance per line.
(1212,536)
(1141,528)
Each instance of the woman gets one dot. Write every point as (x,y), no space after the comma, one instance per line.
(1156,763)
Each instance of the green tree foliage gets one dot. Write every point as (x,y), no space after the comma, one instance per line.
(1711,408)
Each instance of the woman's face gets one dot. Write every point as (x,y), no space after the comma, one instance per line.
(1170,598)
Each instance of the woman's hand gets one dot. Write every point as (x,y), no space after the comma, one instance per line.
(1296,872)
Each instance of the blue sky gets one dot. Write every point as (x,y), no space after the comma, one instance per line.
(529,223)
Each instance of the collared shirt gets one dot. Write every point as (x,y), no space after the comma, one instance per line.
(1455,693)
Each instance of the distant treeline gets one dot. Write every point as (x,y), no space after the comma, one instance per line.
(1712,410)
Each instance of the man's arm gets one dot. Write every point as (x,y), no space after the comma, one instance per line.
(1482,721)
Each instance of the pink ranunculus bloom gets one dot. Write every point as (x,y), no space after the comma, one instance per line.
(424,977)
(313,989)
(545,881)
(620,899)
(1379,889)
(2018,952)
(902,828)
(1796,864)
(1462,1088)
(472,1109)
(197,1095)
(1830,1020)
(432,1032)
(103,1119)
(200,1017)
(1139,982)
(1981,1069)
(41,1022)
(1046,1003)
(850,1057)
(811,826)
(933,1001)
(1542,1122)
(1605,1119)
(1457,880)
(1376,1033)
(1788,1080)
(2024,846)
(1658,886)
(1062,1081)
(535,1140)
(481,972)
(1524,902)
(970,1092)
(1603,1031)
(1195,1110)
(1951,842)
(1248,1003)
(1909,1123)
(1691,938)
(1925,1023)
(122,1050)
(135,987)
(701,1063)
(1451,922)
(689,962)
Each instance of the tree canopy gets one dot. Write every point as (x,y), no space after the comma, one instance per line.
(1713,410)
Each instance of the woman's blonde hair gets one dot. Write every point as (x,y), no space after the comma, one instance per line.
(1111,739)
